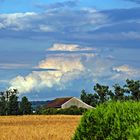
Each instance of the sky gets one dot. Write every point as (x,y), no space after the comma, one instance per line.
(56,48)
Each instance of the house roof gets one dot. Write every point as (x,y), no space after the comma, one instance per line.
(57,102)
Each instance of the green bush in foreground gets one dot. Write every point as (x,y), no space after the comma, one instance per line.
(134,133)
(110,121)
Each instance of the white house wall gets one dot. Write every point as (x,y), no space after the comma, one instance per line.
(75,102)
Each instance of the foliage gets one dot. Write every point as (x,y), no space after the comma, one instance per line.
(133,88)
(90,99)
(25,106)
(2,105)
(73,110)
(48,111)
(130,91)
(9,104)
(109,121)
(134,133)
(12,105)
(102,92)
(118,92)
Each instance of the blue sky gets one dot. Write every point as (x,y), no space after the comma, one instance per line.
(32,5)
(57,48)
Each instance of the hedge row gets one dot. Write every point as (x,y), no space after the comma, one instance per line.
(73,110)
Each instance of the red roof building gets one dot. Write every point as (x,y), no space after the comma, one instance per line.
(57,102)
(67,102)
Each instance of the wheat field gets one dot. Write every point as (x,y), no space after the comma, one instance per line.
(33,127)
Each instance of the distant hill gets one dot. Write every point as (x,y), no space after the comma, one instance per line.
(38,103)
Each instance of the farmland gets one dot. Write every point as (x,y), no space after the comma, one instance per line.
(35,127)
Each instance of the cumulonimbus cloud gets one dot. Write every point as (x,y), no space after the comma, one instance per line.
(68,68)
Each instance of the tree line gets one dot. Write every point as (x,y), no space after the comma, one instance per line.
(9,104)
(103,93)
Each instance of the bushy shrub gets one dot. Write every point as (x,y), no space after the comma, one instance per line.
(50,111)
(109,121)
(134,133)
(44,111)
(73,110)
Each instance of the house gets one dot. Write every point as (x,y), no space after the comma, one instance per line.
(67,102)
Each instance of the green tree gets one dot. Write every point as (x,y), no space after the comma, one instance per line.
(25,106)
(90,99)
(2,105)
(9,102)
(118,92)
(84,96)
(133,88)
(102,92)
(13,105)
(94,99)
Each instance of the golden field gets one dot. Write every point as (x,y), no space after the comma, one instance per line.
(34,127)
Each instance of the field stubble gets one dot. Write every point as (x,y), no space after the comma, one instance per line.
(44,127)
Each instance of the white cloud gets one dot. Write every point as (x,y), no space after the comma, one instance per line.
(23,22)
(69,47)
(123,68)
(124,72)
(71,66)
(45,28)
(59,22)
(68,68)
(95,17)
(24,84)
(2,25)
(16,21)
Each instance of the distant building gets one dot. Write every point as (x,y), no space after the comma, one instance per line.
(67,102)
